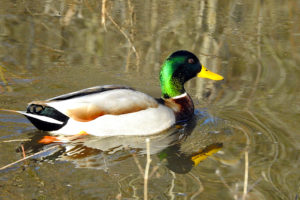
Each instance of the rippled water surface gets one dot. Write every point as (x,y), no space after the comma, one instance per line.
(243,142)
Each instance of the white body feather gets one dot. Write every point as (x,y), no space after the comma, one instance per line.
(144,122)
(111,100)
(150,118)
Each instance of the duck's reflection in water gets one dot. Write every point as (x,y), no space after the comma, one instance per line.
(88,151)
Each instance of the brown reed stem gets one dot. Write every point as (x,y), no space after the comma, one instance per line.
(11,164)
(147,169)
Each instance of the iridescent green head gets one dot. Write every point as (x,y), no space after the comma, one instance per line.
(178,68)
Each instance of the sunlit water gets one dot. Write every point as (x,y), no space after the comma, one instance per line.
(245,133)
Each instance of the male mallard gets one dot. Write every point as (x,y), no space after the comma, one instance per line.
(117,110)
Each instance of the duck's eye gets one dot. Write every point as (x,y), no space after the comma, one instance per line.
(191,61)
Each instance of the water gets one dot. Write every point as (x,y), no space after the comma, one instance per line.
(249,122)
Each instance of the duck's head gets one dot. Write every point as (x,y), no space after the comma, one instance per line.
(178,68)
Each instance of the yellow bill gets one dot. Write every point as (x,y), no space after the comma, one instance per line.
(205,73)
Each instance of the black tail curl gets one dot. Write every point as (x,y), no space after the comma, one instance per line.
(40,110)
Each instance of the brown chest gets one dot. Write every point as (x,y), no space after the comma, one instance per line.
(183,107)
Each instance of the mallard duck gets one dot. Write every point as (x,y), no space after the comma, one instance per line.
(111,110)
